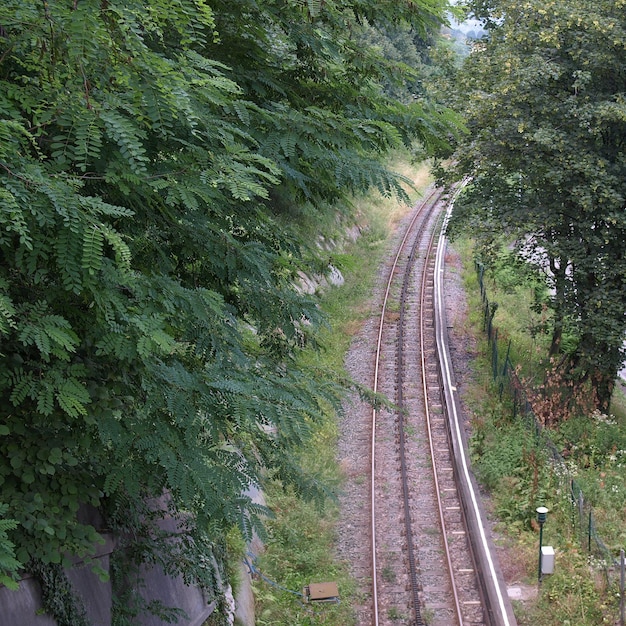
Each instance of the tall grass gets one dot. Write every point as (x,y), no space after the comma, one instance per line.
(299,549)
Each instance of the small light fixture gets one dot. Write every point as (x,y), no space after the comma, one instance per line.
(542,516)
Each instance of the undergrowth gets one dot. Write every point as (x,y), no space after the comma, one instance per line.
(523,467)
(299,548)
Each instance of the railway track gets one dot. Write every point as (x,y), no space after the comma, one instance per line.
(431,557)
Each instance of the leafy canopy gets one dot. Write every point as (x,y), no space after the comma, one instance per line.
(149,322)
(545,110)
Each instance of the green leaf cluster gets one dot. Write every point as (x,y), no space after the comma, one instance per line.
(150,326)
(545,107)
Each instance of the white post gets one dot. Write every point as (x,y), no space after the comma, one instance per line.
(621,589)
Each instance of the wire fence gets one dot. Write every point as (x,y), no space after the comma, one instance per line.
(507,381)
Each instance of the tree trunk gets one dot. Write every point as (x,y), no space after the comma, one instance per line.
(603,386)
(557,335)
(558,274)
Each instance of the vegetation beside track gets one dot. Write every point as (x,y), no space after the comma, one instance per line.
(517,473)
(518,469)
(299,548)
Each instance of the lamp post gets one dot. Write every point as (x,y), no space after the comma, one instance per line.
(542,514)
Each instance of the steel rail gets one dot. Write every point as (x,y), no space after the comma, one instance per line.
(379,342)
(499,610)
(440,507)
(400,403)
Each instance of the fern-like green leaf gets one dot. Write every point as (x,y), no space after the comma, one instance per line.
(7,310)
(72,397)
(87,142)
(45,398)
(23,386)
(315,7)
(52,334)
(13,219)
(68,248)
(97,206)
(93,246)
(128,138)
(9,565)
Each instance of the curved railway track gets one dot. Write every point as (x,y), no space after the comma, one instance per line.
(431,557)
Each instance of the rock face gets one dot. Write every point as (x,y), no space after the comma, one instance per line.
(312,283)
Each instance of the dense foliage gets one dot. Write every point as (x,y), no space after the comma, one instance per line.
(149,322)
(545,106)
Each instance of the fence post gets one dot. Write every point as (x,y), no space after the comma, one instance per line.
(581,514)
(494,355)
(506,359)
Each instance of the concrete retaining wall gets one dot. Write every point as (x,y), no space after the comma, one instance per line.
(23,607)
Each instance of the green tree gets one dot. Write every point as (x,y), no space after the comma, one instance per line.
(318,107)
(149,321)
(546,153)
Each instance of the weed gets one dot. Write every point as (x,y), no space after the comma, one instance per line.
(395,614)
(428,615)
(388,574)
